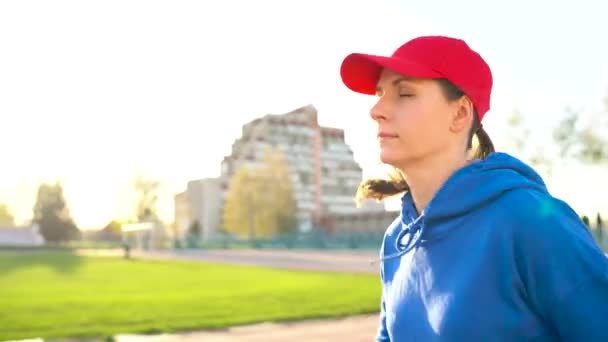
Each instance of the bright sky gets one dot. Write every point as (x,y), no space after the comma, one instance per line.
(93,92)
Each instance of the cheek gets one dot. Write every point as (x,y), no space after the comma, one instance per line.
(420,129)
(415,125)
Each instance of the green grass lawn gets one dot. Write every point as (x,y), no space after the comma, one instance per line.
(57,294)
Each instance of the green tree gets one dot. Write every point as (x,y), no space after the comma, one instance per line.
(239,205)
(195,229)
(113,228)
(6,216)
(52,215)
(260,202)
(281,195)
(599,227)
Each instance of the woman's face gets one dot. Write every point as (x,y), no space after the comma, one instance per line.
(414,119)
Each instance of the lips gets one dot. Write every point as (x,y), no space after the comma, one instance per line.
(385,135)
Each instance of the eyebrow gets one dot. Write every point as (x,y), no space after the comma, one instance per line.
(396,82)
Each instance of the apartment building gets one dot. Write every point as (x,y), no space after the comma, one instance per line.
(323,170)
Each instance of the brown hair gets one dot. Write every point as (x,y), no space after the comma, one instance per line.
(377,188)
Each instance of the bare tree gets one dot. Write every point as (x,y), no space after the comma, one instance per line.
(147,192)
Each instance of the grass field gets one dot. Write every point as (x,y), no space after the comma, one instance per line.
(57,294)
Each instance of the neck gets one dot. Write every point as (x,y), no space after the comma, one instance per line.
(425,177)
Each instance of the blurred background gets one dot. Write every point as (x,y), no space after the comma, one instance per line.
(182,129)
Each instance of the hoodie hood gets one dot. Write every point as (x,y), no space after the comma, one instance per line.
(467,190)
(477,184)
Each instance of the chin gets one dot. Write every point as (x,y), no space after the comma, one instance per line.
(397,160)
(391,159)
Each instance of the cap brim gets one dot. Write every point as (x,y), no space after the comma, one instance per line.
(361,72)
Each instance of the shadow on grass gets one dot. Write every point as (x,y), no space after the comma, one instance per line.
(61,260)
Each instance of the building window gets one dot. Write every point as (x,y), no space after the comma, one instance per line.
(326,144)
(305,178)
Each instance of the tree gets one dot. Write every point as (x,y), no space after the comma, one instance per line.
(195,229)
(260,201)
(599,227)
(520,138)
(517,133)
(113,229)
(147,192)
(583,140)
(52,215)
(238,207)
(6,216)
(281,192)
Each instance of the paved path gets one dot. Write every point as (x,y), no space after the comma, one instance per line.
(351,329)
(312,260)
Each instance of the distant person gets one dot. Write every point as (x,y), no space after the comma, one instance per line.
(481,250)
(126,246)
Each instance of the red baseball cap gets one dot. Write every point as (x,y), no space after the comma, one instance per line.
(425,57)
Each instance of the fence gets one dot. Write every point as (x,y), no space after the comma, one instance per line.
(314,240)
(320,240)
(367,240)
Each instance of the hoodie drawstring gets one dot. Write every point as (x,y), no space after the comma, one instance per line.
(414,238)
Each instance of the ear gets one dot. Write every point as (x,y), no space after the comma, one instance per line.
(462,117)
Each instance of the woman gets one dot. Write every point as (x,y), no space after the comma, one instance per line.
(481,250)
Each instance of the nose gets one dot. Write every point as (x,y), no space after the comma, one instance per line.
(378,111)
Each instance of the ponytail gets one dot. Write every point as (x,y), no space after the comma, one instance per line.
(379,189)
(485,147)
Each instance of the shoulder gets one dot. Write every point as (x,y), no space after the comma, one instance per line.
(548,237)
(534,214)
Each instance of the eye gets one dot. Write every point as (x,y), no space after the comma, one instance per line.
(405,92)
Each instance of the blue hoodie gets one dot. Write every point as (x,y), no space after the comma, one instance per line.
(493,257)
